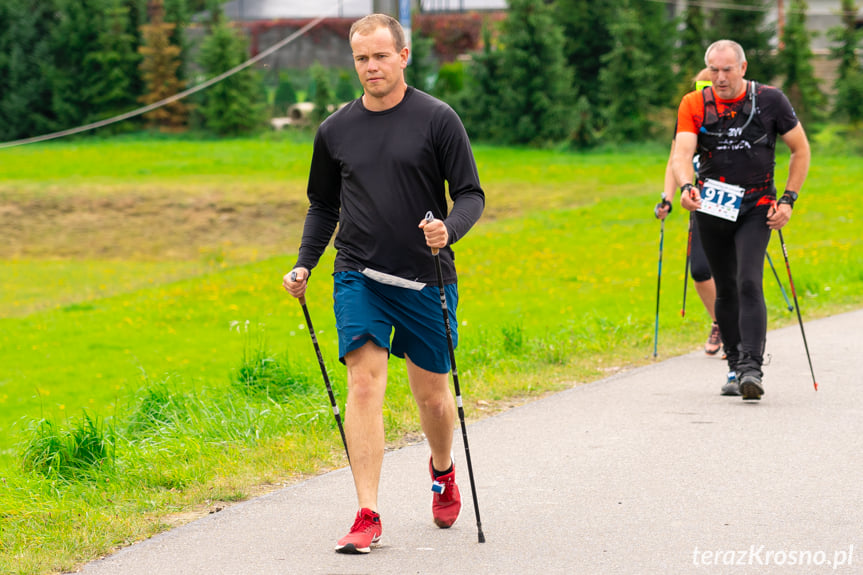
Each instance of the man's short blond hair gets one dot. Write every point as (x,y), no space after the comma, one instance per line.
(722,45)
(368,24)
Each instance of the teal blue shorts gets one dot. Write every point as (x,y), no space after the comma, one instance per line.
(367,310)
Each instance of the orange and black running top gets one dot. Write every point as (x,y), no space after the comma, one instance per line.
(737,138)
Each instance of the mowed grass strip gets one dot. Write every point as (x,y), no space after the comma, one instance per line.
(557,285)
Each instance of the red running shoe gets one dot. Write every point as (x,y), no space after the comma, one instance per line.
(365,534)
(446,502)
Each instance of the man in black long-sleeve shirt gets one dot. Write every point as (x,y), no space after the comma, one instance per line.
(379,164)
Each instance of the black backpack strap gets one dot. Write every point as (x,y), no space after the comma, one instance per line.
(711,114)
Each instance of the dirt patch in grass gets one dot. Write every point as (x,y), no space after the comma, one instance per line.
(148,227)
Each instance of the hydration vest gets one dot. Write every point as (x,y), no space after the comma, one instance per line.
(738,141)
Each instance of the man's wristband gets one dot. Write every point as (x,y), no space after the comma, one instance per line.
(686,188)
(788,198)
(663,204)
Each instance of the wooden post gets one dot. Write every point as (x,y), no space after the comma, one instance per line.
(780,23)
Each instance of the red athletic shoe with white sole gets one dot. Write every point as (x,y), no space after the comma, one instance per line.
(365,533)
(446,502)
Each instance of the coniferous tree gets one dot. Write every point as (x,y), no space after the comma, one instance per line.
(586,127)
(849,98)
(795,65)
(657,40)
(137,14)
(693,43)
(177,13)
(422,66)
(539,96)
(450,81)
(587,37)
(744,22)
(115,64)
(75,38)
(626,80)
(284,97)
(323,97)
(345,88)
(849,81)
(159,64)
(26,64)
(235,105)
(846,39)
(477,104)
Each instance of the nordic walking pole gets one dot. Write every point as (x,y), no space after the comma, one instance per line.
(797,306)
(658,283)
(439,273)
(686,267)
(776,275)
(323,370)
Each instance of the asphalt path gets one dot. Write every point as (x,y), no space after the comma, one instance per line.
(648,471)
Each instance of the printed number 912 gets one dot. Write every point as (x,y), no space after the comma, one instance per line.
(718,197)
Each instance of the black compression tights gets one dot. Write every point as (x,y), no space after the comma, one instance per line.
(735,251)
(698,266)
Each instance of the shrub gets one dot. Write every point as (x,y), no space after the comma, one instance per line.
(262,373)
(285,96)
(68,453)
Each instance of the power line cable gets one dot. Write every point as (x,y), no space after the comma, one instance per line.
(178,96)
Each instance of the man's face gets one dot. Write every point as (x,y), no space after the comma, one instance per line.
(726,73)
(379,66)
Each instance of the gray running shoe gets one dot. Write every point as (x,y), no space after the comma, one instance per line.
(731,386)
(751,386)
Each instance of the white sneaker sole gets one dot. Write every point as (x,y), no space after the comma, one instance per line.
(351,549)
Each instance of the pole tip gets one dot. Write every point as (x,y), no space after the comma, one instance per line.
(481,537)
(815,383)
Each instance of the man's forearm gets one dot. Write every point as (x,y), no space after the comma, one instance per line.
(798,168)
(684,149)
(682,171)
(798,165)
(318,229)
(466,211)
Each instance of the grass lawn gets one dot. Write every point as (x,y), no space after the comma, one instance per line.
(141,303)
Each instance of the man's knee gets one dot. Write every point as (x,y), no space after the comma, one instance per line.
(363,386)
(367,372)
(438,404)
(700,275)
(750,288)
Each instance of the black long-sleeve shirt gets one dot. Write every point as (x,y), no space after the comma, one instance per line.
(376,174)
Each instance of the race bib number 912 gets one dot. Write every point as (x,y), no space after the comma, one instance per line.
(721,199)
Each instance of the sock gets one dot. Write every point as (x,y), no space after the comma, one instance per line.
(441,473)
